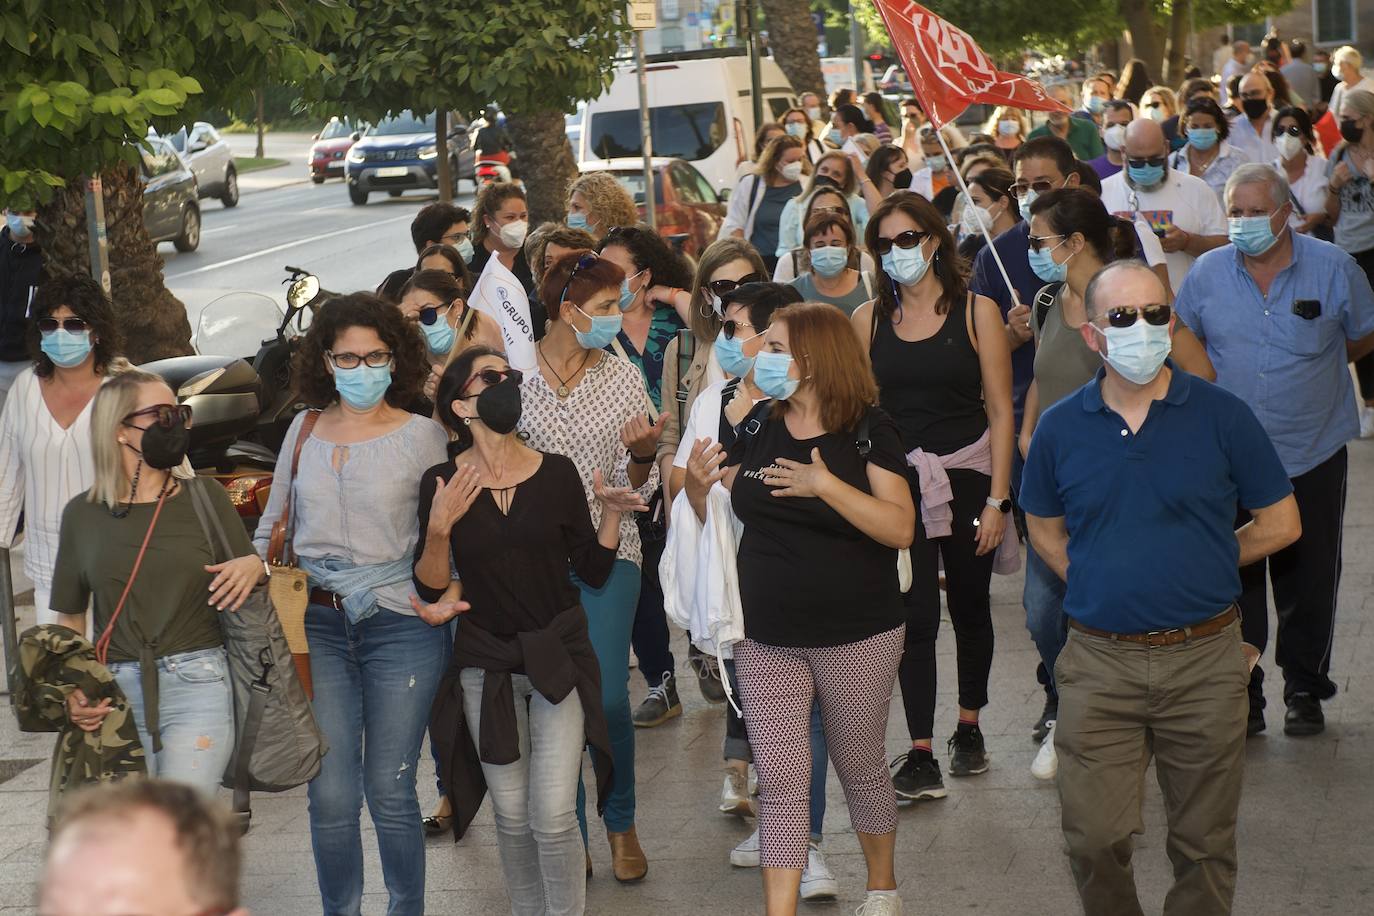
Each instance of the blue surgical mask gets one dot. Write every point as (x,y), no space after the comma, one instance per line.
(771,375)
(1024,204)
(19,224)
(1045,267)
(1096,104)
(66,348)
(1148,176)
(1251,234)
(1202,138)
(906,265)
(795,130)
(362,387)
(829,261)
(627,296)
(601,333)
(465,249)
(438,336)
(937,163)
(1138,352)
(577,221)
(730,355)
(835,137)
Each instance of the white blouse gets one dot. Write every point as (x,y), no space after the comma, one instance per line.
(1310,189)
(42,468)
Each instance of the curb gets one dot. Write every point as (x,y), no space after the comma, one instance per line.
(285,184)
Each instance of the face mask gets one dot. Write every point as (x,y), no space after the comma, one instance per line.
(1251,234)
(1148,176)
(1095,104)
(1114,136)
(1254,108)
(813,113)
(465,249)
(66,348)
(164,449)
(578,221)
(438,336)
(771,375)
(1024,204)
(937,163)
(627,297)
(601,333)
(499,408)
(1202,138)
(795,130)
(1349,132)
(19,225)
(513,234)
(1008,128)
(730,355)
(835,137)
(1289,145)
(790,172)
(713,302)
(829,261)
(902,180)
(1321,68)
(968,220)
(906,265)
(362,387)
(1137,352)
(1156,114)
(1043,263)
(824,181)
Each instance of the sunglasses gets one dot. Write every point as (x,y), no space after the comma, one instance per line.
(815,211)
(491,377)
(1152,160)
(431,313)
(1291,130)
(1124,317)
(74,325)
(1039,186)
(167,416)
(724,287)
(1038,242)
(583,263)
(909,239)
(377,359)
(732,328)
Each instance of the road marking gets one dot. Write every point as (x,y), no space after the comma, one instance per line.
(285,245)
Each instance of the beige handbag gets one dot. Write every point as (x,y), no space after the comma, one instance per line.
(288,586)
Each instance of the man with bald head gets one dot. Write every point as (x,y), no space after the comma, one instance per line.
(1239,63)
(1180,208)
(1251,132)
(1130,491)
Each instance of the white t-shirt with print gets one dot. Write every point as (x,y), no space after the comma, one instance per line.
(1182,200)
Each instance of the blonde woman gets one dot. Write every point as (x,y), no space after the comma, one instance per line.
(1160,104)
(1010,127)
(156,611)
(756,206)
(549,242)
(1346,63)
(598,203)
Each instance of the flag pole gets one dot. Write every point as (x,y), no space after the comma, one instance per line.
(978,217)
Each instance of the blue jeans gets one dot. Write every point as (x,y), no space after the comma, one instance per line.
(610,619)
(535,799)
(196,716)
(1043,597)
(374,683)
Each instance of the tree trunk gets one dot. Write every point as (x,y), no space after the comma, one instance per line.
(262,127)
(1180,22)
(792,37)
(152,320)
(1146,38)
(441,152)
(545,162)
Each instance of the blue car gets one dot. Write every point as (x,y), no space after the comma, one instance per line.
(399,155)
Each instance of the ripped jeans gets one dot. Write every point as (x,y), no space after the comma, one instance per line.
(195,712)
(374,683)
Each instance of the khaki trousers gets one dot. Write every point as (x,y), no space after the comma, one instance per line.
(1121,704)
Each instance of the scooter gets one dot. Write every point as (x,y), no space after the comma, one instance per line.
(491,171)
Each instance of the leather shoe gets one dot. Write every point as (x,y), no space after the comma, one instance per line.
(628,863)
(589,863)
(1304,716)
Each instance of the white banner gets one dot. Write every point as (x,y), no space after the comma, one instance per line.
(501,295)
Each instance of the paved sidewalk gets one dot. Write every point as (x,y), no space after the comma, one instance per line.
(992,847)
(292,146)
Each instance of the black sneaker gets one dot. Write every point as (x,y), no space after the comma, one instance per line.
(967,754)
(1050,713)
(708,675)
(918,777)
(1254,723)
(1304,716)
(660,705)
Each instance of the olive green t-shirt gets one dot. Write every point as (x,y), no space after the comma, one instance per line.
(169,603)
(1063,362)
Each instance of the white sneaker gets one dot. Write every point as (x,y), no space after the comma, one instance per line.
(1366,422)
(880,904)
(1046,763)
(746,854)
(817,882)
(734,798)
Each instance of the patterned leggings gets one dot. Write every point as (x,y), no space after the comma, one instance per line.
(854,685)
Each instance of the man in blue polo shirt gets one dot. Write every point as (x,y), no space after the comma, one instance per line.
(1130,491)
(1281,314)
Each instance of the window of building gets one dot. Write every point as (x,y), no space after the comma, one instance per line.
(1333,21)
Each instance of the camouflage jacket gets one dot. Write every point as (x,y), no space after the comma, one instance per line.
(54,661)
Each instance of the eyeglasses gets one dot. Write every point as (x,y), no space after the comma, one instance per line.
(732,328)
(168,416)
(1148,161)
(377,359)
(75,325)
(909,239)
(1125,316)
(1291,130)
(724,287)
(432,313)
(584,262)
(836,210)
(1039,186)
(1037,242)
(453,238)
(491,377)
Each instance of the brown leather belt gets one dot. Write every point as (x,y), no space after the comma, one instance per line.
(326,598)
(1156,638)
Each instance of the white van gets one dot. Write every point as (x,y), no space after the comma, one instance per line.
(700,109)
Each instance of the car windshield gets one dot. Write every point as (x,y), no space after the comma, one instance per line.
(688,132)
(178,140)
(335,129)
(404,123)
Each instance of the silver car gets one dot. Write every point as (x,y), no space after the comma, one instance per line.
(210,160)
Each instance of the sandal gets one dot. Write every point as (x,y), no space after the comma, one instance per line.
(438,824)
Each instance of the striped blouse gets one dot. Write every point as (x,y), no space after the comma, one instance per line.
(42,468)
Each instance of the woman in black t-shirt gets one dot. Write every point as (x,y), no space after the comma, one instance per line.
(817,479)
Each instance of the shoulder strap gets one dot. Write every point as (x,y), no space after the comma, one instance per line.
(1044,301)
(220,551)
(279,546)
(861,435)
(102,645)
(796,262)
(868,283)
(753,195)
(725,433)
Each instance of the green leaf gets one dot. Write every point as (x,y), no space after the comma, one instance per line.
(17,34)
(107,35)
(164,96)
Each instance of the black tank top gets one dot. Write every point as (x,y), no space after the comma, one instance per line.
(932,388)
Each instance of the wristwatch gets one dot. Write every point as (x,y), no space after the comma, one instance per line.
(1001,505)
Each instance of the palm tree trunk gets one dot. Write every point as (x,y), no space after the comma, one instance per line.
(792,38)
(545,163)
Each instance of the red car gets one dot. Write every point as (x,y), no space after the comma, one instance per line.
(331,146)
(688,209)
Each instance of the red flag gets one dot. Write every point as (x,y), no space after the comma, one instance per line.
(948,70)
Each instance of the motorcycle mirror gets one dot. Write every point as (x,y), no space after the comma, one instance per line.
(357,135)
(302,292)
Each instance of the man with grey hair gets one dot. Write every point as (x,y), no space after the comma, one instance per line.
(1139,472)
(1281,314)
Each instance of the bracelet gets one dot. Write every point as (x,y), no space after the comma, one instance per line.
(267,568)
(635,459)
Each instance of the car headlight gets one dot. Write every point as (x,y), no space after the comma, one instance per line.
(428,152)
(356,155)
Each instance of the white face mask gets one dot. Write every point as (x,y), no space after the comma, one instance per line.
(513,234)
(968,220)
(1289,145)
(792,171)
(1115,137)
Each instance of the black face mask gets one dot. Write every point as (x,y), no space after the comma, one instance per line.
(164,449)
(499,407)
(1349,132)
(902,180)
(824,181)
(1254,108)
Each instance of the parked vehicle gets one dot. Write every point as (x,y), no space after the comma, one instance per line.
(400,154)
(171,208)
(209,157)
(700,110)
(688,211)
(331,145)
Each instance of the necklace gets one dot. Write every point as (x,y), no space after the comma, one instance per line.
(133,491)
(563,391)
